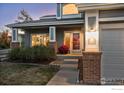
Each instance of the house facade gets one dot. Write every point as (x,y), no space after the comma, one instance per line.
(82,27)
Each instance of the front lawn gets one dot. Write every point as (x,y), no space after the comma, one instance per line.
(25,74)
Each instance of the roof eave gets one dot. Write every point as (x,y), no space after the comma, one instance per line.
(37,24)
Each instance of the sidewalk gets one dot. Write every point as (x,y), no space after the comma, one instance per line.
(67,75)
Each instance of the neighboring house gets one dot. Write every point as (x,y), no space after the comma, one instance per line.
(82,27)
(20,37)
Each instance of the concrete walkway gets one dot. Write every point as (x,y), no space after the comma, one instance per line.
(67,75)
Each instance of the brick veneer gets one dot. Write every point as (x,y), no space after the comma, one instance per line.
(53,45)
(90,68)
(15,44)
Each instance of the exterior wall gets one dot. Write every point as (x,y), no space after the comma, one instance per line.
(111,13)
(21,39)
(98,6)
(59,37)
(27,39)
(28,33)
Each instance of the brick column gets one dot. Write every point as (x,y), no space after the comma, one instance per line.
(15,44)
(53,45)
(90,69)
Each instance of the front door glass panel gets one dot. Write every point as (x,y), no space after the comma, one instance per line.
(76,41)
(67,39)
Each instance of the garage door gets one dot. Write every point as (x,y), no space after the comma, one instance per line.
(112,44)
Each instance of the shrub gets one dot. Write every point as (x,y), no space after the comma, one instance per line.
(63,49)
(37,53)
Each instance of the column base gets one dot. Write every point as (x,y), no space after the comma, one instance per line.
(53,45)
(90,69)
(15,44)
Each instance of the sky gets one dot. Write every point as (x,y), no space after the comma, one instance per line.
(9,12)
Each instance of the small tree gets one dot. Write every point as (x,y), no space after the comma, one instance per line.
(5,39)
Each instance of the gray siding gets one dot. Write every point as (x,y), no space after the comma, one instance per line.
(59,37)
(111,13)
(27,39)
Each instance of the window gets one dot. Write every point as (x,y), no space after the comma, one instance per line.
(40,39)
(69,9)
(59,11)
(52,34)
(91,23)
(14,35)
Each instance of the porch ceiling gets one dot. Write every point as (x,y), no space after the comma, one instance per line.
(46,22)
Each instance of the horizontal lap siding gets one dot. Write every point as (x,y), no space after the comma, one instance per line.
(111,13)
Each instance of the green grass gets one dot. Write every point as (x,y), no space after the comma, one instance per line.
(25,74)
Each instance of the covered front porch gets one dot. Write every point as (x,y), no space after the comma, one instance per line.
(56,36)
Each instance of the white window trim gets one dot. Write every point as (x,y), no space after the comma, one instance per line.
(16,35)
(54,33)
(91,13)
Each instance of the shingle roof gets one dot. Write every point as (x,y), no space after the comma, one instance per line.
(50,21)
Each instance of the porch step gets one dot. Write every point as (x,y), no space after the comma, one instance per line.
(68,56)
(70,61)
(70,64)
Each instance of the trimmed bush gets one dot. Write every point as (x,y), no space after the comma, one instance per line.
(63,49)
(36,53)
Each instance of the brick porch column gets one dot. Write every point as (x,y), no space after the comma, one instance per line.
(90,73)
(52,38)
(15,43)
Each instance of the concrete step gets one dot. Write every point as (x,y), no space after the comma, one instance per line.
(69,66)
(62,57)
(70,61)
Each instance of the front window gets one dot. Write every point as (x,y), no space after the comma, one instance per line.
(52,33)
(14,34)
(40,39)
